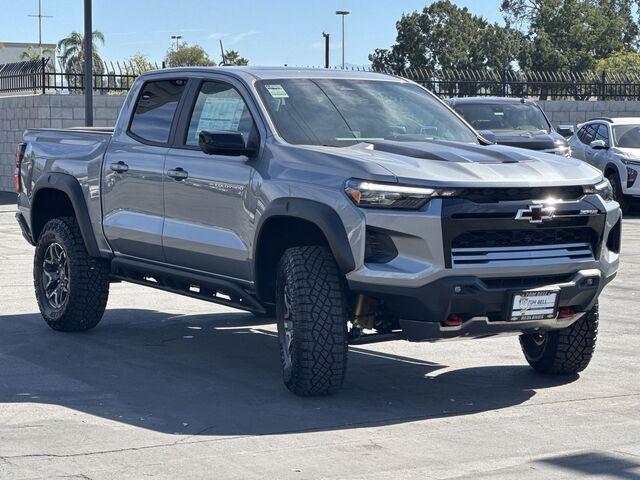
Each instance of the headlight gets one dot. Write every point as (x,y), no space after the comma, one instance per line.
(603,189)
(389,195)
(564,150)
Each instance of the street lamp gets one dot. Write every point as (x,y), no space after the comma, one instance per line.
(177,38)
(342,13)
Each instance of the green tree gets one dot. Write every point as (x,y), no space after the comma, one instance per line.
(232,57)
(571,33)
(34,53)
(139,63)
(72,52)
(444,35)
(188,55)
(620,63)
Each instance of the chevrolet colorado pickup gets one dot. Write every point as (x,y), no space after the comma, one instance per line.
(353,207)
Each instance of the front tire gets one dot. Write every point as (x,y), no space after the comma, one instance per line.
(71,287)
(565,351)
(616,186)
(311,312)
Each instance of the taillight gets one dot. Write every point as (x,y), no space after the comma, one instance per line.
(16,173)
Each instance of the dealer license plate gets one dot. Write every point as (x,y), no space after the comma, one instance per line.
(534,305)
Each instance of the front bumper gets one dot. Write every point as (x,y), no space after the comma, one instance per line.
(483,304)
(425,283)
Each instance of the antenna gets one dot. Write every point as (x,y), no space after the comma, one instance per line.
(224,60)
(40,16)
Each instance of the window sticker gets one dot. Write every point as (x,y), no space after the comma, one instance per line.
(220,114)
(277,91)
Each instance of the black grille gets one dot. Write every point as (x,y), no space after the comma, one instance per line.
(522,238)
(526,282)
(493,195)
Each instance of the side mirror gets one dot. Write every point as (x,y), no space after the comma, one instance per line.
(224,143)
(488,135)
(598,145)
(565,130)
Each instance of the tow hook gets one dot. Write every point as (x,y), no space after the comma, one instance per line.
(452,321)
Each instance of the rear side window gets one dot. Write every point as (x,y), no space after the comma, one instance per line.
(155,109)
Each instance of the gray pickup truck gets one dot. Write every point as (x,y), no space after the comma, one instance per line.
(352,207)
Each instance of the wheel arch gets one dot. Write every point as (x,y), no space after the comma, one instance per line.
(57,195)
(290,222)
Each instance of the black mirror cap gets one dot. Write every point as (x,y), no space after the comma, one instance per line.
(224,143)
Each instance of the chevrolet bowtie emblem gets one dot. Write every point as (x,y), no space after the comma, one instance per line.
(536,213)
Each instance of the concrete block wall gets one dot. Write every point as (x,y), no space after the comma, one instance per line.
(46,111)
(575,112)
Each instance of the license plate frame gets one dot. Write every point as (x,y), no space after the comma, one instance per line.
(534,304)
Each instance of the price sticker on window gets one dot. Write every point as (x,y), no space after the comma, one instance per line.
(277,91)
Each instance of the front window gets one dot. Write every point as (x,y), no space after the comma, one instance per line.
(338,113)
(504,117)
(626,136)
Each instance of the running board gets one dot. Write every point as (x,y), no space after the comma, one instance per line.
(189,284)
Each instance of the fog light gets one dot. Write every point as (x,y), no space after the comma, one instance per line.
(631,176)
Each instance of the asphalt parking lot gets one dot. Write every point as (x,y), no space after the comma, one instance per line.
(170,387)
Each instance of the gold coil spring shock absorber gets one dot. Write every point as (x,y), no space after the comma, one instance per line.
(365,311)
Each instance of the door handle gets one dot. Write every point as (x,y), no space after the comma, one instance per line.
(119,167)
(178,173)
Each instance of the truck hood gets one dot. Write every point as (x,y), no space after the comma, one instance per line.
(530,140)
(440,163)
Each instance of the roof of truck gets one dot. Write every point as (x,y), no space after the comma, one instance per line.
(268,73)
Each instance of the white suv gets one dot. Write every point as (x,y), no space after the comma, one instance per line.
(613,146)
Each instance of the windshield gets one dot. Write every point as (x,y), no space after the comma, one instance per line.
(338,113)
(626,136)
(520,117)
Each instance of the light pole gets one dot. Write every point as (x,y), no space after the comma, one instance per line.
(88,64)
(342,13)
(177,38)
(40,16)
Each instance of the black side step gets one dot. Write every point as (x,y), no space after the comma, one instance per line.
(190,284)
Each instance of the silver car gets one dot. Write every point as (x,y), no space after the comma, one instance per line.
(613,146)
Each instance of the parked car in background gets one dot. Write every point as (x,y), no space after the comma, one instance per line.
(516,122)
(613,146)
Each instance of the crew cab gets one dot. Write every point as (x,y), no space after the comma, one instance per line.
(351,207)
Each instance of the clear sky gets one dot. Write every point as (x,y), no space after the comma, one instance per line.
(267,32)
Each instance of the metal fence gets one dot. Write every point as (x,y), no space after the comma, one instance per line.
(539,85)
(43,76)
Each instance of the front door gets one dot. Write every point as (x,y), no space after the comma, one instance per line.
(207,215)
(133,173)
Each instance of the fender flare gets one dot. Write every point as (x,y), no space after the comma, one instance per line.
(611,166)
(70,186)
(322,216)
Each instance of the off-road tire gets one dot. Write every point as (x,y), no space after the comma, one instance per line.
(88,279)
(317,309)
(565,351)
(618,196)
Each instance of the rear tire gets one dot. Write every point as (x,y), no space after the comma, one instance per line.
(71,287)
(311,312)
(565,351)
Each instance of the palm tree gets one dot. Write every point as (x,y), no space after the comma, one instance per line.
(72,52)
(34,54)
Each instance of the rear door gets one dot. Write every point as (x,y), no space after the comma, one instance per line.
(208,212)
(133,172)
